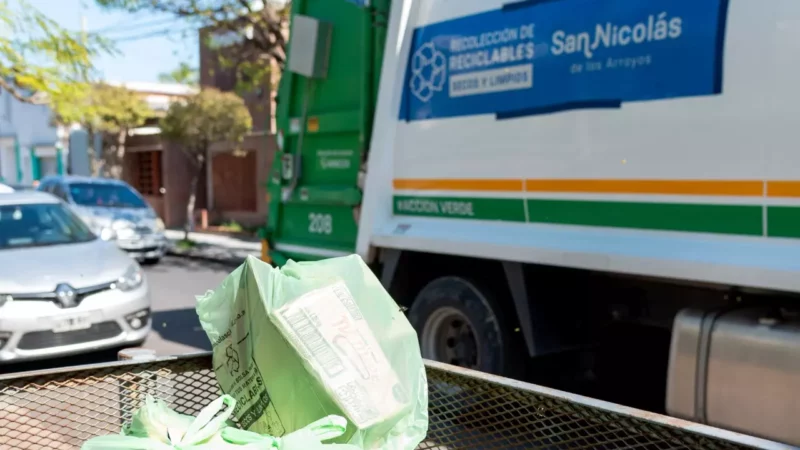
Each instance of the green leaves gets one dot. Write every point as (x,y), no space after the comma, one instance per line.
(263,24)
(103,107)
(116,108)
(183,74)
(205,118)
(40,61)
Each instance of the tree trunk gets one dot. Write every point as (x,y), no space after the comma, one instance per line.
(192,197)
(117,155)
(94,159)
(113,154)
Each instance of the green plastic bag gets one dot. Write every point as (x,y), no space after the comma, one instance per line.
(307,438)
(157,427)
(313,339)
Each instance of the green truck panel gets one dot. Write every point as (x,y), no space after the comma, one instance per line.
(325,129)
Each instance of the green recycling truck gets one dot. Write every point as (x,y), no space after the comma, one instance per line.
(597,195)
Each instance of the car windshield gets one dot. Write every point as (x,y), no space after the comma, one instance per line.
(36,225)
(106,195)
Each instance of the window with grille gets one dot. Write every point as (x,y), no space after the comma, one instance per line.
(148,179)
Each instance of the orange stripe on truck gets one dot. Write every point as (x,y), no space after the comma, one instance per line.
(783,188)
(459,185)
(732,188)
(737,188)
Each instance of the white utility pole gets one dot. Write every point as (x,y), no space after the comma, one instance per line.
(84,29)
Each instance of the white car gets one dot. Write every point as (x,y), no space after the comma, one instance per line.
(62,289)
(5,189)
(114,211)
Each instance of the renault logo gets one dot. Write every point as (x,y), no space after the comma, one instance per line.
(66,296)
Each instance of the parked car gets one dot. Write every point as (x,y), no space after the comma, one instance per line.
(23,187)
(5,189)
(114,211)
(17,187)
(63,290)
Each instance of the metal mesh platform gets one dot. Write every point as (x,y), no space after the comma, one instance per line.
(468,410)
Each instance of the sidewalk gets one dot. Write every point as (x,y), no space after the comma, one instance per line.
(215,247)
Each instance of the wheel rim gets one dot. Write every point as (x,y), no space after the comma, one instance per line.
(449,337)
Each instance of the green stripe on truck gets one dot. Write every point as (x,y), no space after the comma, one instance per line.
(783,221)
(511,210)
(701,218)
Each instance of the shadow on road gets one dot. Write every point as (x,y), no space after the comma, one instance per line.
(181,326)
(189,264)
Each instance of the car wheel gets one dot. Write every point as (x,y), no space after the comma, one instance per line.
(457,324)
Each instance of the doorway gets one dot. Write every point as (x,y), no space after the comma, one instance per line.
(48,165)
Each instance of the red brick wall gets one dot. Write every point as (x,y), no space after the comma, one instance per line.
(263,148)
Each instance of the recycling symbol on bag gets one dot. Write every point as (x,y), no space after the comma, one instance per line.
(232,360)
(428,72)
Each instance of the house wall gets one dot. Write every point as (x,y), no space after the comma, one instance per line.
(32,139)
(79,162)
(8,159)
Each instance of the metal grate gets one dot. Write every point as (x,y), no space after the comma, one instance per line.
(468,410)
(47,339)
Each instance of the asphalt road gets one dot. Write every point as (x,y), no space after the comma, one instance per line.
(174,283)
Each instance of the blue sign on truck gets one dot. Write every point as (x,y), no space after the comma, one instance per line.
(536,57)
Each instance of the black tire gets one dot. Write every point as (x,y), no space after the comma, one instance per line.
(437,314)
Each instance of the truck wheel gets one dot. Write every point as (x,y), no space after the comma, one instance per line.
(457,325)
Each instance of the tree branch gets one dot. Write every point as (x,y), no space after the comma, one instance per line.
(14,91)
(247,6)
(269,39)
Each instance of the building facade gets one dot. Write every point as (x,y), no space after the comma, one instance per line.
(236,176)
(233,183)
(32,146)
(158,169)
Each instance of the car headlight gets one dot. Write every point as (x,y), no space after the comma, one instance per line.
(123,229)
(131,279)
(107,234)
(122,224)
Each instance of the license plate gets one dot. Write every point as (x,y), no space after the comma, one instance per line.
(142,243)
(72,323)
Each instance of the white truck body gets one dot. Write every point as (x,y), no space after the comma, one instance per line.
(667,149)
(601,196)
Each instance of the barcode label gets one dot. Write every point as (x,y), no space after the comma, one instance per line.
(314,343)
(326,326)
